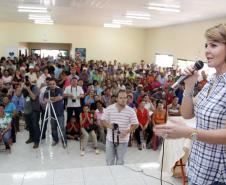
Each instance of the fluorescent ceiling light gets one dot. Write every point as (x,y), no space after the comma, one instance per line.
(51,23)
(140,14)
(110,25)
(39,16)
(164,9)
(32,7)
(125,22)
(34,11)
(164,5)
(48,2)
(43,20)
(138,17)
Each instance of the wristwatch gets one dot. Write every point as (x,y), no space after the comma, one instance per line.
(194,135)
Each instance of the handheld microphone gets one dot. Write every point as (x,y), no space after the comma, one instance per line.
(197,66)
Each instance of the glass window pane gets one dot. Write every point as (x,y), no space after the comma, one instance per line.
(164,60)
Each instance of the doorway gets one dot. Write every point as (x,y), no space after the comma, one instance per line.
(54,50)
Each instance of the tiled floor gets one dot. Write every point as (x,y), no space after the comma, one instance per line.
(57,166)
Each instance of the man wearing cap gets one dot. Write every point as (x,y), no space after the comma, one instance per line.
(73,93)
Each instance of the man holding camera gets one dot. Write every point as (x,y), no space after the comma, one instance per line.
(73,93)
(120,121)
(54,95)
(32,112)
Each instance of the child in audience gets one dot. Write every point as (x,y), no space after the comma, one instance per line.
(73,129)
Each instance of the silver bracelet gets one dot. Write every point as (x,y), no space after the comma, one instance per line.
(188,94)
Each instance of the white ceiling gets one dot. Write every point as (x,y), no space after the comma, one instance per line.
(98,12)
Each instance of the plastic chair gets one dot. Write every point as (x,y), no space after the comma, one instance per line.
(181,165)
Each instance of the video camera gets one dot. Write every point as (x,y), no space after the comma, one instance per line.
(115,130)
(115,126)
(51,92)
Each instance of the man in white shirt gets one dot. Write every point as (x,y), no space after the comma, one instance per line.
(120,120)
(32,76)
(73,93)
(41,80)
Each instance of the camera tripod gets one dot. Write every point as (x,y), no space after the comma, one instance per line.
(48,116)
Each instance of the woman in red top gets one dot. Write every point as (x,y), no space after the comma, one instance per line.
(144,127)
(87,128)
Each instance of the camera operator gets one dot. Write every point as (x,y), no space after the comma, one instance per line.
(120,121)
(56,97)
(73,93)
(43,106)
(32,112)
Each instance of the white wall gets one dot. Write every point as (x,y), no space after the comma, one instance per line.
(126,45)
(185,41)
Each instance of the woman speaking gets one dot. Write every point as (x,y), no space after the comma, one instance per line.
(207,161)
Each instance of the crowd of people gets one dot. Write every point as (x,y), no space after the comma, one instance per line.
(84,90)
(129,100)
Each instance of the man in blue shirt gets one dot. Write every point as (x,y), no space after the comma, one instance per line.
(56,97)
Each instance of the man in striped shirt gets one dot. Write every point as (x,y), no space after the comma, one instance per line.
(120,120)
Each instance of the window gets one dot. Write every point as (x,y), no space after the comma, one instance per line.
(209,70)
(164,60)
(64,53)
(53,53)
(183,63)
(36,51)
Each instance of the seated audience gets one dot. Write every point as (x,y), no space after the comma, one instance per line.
(100,129)
(144,127)
(147,85)
(174,108)
(160,114)
(5,127)
(10,109)
(87,129)
(73,129)
(18,101)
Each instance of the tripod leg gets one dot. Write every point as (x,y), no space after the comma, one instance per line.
(44,122)
(61,133)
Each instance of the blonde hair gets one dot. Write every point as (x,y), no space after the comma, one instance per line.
(217,33)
